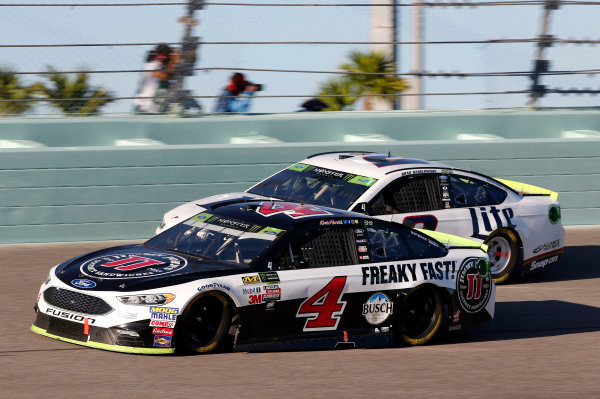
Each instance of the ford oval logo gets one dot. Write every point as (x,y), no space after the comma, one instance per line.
(83,283)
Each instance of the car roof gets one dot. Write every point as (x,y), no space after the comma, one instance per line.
(276,213)
(370,164)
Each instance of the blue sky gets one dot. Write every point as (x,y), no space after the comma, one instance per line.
(143,24)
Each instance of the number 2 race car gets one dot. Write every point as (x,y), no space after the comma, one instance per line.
(267,275)
(520,223)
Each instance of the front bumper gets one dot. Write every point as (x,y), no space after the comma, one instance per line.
(120,338)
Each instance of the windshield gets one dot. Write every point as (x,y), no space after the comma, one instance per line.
(217,238)
(313,185)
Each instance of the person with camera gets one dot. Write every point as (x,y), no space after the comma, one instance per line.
(237,95)
(159,67)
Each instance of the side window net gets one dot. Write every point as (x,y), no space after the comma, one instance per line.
(417,194)
(330,248)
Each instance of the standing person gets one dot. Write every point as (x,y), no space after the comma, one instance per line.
(237,86)
(158,70)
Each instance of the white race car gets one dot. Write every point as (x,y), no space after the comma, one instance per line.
(520,223)
(267,275)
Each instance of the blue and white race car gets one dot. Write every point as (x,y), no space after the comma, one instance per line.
(520,223)
(267,275)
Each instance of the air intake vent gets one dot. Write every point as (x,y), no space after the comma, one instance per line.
(76,301)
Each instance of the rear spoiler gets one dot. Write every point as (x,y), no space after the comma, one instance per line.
(528,189)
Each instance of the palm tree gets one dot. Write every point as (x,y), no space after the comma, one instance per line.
(11,88)
(83,99)
(370,73)
(337,86)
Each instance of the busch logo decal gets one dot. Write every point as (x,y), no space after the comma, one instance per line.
(473,290)
(133,265)
(377,309)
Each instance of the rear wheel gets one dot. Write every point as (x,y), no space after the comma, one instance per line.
(419,316)
(503,251)
(204,325)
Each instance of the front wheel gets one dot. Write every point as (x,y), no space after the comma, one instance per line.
(503,252)
(419,316)
(204,324)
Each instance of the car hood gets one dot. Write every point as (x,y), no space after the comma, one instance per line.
(137,267)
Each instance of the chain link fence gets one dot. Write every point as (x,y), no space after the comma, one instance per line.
(87,58)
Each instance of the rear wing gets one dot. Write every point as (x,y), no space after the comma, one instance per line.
(528,189)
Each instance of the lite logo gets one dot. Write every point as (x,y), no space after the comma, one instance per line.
(132,263)
(501,217)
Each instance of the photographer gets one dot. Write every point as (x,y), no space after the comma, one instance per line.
(237,95)
(160,63)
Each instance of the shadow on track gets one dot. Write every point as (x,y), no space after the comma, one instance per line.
(532,319)
(578,263)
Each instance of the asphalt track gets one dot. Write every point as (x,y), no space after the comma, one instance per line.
(543,343)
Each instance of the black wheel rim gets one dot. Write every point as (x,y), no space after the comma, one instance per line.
(418,313)
(202,320)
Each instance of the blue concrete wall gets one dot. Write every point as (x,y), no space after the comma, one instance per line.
(80,186)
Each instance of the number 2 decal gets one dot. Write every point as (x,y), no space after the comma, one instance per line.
(324,309)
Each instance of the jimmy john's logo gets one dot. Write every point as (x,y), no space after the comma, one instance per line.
(133,265)
(473,290)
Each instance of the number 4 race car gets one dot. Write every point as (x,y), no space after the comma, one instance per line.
(520,223)
(267,275)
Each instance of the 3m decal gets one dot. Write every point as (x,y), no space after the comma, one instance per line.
(377,309)
(504,221)
(473,290)
(133,265)
(292,210)
(324,309)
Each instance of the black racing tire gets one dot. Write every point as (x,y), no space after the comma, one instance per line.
(204,324)
(418,316)
(503,251)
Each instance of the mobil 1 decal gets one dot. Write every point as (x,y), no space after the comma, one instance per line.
(473,289)
(133,265)
(487,219)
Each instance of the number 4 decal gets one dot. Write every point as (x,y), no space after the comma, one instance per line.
(324,309)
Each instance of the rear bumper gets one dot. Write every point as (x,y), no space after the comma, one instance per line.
(117,339)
